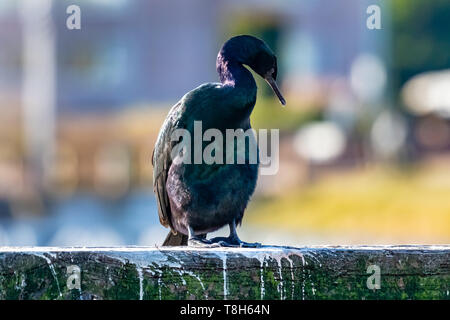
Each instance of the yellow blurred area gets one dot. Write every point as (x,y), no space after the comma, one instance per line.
(370,205)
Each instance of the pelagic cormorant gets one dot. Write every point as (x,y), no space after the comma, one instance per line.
(195,199)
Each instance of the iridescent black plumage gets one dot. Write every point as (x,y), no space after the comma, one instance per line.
(194,199)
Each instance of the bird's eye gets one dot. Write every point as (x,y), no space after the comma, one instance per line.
(270,73)
(275,71)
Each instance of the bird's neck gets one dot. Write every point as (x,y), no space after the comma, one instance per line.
(234,74)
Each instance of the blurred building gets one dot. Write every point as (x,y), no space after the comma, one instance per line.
(132,53)
(136,51)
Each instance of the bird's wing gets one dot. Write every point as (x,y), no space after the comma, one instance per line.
(161,160)
(181,116)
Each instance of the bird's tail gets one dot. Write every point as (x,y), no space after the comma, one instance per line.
(178,239)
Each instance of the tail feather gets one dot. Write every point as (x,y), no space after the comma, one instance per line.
(175,240)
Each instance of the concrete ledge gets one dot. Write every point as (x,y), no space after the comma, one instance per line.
(406,272)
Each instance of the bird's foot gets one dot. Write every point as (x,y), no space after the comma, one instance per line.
(234,242)
(201,243)
(250,244)
(225,242)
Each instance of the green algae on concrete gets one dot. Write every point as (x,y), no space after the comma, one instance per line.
(407,272)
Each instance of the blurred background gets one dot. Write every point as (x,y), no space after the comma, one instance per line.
(364,139)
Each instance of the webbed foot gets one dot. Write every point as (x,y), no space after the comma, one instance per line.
(234,242)
(225,242)
(250,244)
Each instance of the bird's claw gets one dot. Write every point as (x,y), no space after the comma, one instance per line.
(233,242)
(251,245)
(227,244)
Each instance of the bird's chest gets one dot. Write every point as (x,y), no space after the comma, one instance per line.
(211,185)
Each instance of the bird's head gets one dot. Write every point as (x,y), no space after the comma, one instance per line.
(256,54)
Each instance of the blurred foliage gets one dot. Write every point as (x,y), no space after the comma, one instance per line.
(404,206)
(268,113)
(261,24)
(420,38)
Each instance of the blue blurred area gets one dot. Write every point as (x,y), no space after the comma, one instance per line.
(86,220)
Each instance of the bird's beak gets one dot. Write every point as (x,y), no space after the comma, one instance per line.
(271,81)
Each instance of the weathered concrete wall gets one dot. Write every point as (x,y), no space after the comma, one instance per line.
(408,272)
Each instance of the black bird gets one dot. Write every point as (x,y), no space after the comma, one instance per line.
(194,199)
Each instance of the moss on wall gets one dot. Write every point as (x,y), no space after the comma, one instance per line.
(266,273)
